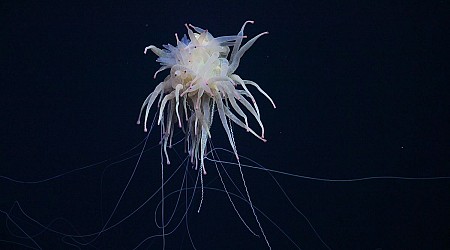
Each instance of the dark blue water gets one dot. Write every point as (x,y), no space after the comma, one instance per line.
(361,90)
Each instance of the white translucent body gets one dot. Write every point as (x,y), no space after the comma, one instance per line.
(201,80)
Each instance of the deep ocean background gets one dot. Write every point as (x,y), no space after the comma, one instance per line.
(361,89)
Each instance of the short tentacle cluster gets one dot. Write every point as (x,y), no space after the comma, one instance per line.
(201,80)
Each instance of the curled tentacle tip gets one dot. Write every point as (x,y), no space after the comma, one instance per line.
(138,122)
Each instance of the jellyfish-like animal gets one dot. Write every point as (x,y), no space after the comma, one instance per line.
(201,80)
